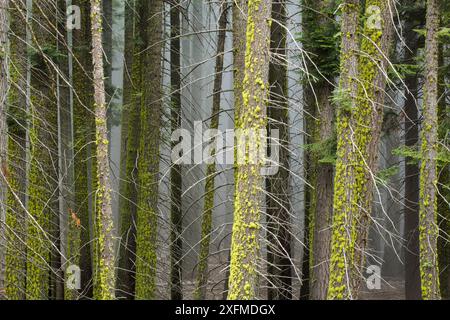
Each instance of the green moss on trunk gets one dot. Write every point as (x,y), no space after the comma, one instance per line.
(104,277)
(150,30)
(243,282)
(428,228)
(345,193)
(15,233)
(43,173)
(360,117)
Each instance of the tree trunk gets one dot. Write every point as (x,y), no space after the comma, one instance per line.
(321,133)
(79,237)
(15,268)
(43,172)
(245,256)
(104,270)
(277,185)
(176,215)
(321,234)
(128,170)
(4,87)
(428,229)
(375,45)
(344,197)
(411,202)
(365,129)
(239,8)
(150,29)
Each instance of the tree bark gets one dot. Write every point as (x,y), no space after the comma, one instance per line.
(411,202)
(79,237)
(15,268)
(4,87)
(150,91)
(344,197)
(279,267)
(43,171)
(176,215)
(321,234)
(245,256)
(239,8)
(104,277)
(15,257)
(128,170)
(428,229)
(375,45)
(362,141)
(321,133)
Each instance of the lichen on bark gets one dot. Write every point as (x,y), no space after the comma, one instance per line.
(243,282)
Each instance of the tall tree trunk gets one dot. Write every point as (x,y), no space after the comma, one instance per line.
(411,202)
(79,235)
(176,215)
(202,270)
(150,29)
(43,175)
(344,198)
(321,233)
(4,87)
(245,256)
(104,277)
(128,170)
(321,133)
(239,8)
(428,229)
(15,257)
(365,127)
(277,185)
(375,45)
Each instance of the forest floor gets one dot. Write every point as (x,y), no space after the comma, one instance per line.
(391,289)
